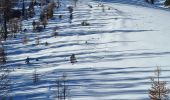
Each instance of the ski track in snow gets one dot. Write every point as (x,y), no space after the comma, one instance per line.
(122,50)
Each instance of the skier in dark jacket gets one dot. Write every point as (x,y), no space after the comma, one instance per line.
(73,59)
(34,24)
(27,60)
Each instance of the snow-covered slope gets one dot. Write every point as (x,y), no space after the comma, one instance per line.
(116,54)
(157,3)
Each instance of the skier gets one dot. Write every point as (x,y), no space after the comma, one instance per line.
(33,24)
(71,16)
(27,60)
(73,59)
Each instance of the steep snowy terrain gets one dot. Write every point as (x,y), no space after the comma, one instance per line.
(116,54)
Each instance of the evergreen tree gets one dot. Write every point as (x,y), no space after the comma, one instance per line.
(167,3)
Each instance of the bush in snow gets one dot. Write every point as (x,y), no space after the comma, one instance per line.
(158,90)
(46,43)
(60,16)
(37,41)
(55,33)
(85,23)
(90,6)
(25,40)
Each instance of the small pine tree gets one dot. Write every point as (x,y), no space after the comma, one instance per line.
(46,43)
(167,3)
(158,90)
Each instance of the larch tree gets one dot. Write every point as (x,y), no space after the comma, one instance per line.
(158,90)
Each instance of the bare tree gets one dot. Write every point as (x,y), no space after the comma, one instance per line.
(2,54)
(62,88)
(5,84)
(158,90)
(35,76)
(5,10)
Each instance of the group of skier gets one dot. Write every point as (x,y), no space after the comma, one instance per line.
(72,59)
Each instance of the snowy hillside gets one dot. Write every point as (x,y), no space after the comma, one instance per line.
(157,3)
(116,54)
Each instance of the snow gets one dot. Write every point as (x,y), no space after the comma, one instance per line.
(124,46)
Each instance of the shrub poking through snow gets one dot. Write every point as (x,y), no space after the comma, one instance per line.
(55,34)
(37,41)
(37,25)
(103,7)
(158,90)
(25,39)
(46,43)
(85,23)
(60,16)
(90,6)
